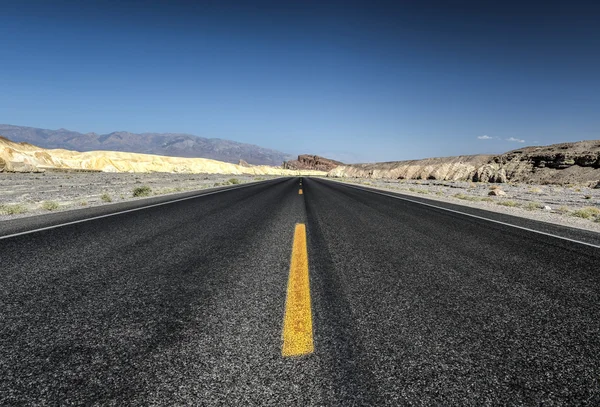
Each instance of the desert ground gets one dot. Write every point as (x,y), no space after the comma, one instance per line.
(26,194)
(569,205)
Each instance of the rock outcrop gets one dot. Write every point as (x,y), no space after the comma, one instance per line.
(24,157)
(565,163)
(447,168)
(575,163)
(311,162)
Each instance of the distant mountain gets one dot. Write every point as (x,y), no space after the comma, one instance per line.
(169,144)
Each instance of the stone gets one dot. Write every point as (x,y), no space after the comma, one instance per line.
(497,192)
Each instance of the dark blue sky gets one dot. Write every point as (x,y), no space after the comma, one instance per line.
(357,81)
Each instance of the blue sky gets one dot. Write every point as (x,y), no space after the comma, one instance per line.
(356,81)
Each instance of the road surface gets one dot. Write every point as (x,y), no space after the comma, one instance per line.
(183,303)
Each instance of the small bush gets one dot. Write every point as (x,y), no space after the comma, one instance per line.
(15,209)
(83,203)
(106,198)
(234,181)
(588,212)
(563,210)
(532,206)
(511,204)
(487,199)
(50,205)
(467,197)
(142,191)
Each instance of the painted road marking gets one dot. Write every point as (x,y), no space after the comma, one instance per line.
(470,215)
(300,191)
(297,321)
(132,210)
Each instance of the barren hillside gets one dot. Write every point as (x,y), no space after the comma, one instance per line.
(575,163)
(446,168)
(166,144)
(24,157)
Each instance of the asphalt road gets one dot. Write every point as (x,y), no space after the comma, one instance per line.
(182,304)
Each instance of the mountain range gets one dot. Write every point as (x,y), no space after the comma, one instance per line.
(168,144)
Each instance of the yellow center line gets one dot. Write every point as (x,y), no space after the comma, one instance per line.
(300,191)
(297,321)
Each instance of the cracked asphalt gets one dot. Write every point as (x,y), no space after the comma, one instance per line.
(183,304)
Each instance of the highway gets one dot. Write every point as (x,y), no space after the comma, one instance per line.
(387,300)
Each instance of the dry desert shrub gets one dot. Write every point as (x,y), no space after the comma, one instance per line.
(50,205)
(532,206)
(589,212)
(509,203)
(142,191)
(15,209)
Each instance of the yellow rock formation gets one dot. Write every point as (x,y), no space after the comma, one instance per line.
(24,157)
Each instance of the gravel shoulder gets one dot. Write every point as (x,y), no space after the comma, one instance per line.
(572,206)
(30,194)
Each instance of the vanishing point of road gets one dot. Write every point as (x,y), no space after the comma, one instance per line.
(297,291)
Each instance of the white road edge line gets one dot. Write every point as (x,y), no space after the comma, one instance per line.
(468,214)
(128,210)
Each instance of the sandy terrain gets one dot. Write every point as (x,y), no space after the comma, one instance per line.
(574,206)
(24,194)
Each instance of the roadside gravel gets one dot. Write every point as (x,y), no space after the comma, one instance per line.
(25,194)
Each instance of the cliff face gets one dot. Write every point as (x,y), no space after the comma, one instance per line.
(311,162)
(446,168)
(24,157)
(576,163)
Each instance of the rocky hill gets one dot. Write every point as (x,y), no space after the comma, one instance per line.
(311,162)
(565,163)
(25,157)
(445,168)
(169,144)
